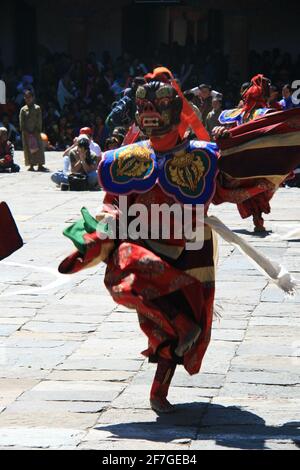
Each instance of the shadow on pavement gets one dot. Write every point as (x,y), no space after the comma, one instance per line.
(252,233)
(230,427)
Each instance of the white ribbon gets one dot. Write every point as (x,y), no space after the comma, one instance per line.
(57,283)
(270,268)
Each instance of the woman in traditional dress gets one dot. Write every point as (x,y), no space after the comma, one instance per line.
(31,128)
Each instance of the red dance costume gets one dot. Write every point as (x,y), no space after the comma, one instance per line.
(171,287)
(256,197)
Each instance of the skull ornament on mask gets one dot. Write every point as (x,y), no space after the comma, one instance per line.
(158,108)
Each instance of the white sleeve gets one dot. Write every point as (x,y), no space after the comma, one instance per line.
(96,149)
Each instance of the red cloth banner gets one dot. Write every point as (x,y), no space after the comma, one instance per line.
(10,239)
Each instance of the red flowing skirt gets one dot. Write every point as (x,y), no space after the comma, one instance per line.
(252,196)
(140,279)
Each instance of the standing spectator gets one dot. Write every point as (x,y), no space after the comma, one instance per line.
(31,128)
(7,154)
(212,119)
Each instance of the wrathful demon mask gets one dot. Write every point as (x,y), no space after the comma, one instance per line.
(158,108)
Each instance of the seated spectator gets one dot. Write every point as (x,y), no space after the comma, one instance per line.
(12,134)
(10,108)
(111,143)
(94,147)
(100,132)
(53,135)
(65,134)
(7,154)
(86,133)
(25,84)
(116,140)
(52,115)
(69,135)
(82,161)
(119,133)
(66,91)
(137,68)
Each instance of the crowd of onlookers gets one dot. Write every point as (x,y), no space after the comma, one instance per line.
(76,94)
(73,94)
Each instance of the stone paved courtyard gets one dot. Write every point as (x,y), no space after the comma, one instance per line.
(71,372)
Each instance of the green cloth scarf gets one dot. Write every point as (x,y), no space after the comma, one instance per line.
(79,229)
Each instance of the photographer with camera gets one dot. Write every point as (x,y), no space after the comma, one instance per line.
(84,165)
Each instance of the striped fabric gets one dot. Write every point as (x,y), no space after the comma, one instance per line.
(268,146)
